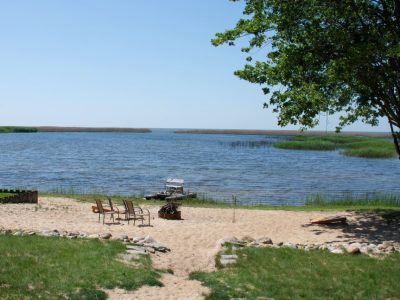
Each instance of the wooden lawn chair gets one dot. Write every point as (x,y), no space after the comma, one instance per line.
(116,209)
(135,212)
(103,211)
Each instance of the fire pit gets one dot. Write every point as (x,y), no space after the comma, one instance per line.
(170,211)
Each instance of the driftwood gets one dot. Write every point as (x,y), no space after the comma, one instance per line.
(330,220)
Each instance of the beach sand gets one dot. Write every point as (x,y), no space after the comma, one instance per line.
(193,240)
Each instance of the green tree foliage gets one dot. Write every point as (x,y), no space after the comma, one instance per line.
(323,56)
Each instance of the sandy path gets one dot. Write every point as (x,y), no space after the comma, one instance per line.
(192,241)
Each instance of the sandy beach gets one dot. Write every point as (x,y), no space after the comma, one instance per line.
(193,240)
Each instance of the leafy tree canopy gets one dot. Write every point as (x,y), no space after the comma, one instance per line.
(324,56)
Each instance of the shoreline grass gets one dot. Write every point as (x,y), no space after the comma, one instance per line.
(292,273)
(314,203)
(35,267)
(356,146)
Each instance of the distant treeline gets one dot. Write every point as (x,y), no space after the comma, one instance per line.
(15,129)
(12,129)
(282,132)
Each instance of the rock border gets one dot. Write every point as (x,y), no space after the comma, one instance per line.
(353,247)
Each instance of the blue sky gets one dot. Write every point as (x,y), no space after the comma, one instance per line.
(126,63)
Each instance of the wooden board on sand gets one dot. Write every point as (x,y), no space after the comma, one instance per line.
(330,220)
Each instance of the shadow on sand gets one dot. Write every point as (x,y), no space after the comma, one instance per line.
(373,226)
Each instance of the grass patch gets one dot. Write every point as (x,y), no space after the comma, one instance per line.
(306,145)
(357,146)
(16,129)
(293,274)
(4,195)
(33,267)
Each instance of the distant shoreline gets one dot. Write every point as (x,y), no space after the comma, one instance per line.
(33,129)
(281,132)
(24,129)
(91,129)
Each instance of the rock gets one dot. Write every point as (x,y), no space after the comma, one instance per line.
(150,250)
(228,239)
(48,233)
(353,248)
(388,244)
(31,233)
(137,239)
(124,237)
(72,237)
(83,234)
(93,236)
(382,247)
(73,233)
(135,247)
(289,245)
(229,256)
(252,244)
(337,251)
(158,247)
(137,251)
(390,249)
(280,244)
(247,239)
(323,247)
(106,236)
(17,233)
(265,241)
(149,240)
(226,262)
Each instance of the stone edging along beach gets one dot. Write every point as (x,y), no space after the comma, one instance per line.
(150,245)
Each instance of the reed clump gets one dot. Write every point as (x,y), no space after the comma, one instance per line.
(357,146)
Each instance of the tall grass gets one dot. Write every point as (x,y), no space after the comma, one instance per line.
(366,147)
(34,267)
(285,273)
(371,201)
(306,145)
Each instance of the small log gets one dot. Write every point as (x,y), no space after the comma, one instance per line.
(330,220)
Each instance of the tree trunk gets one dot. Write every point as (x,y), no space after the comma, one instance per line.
(395,136)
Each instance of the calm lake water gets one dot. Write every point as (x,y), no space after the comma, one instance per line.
(217,165)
